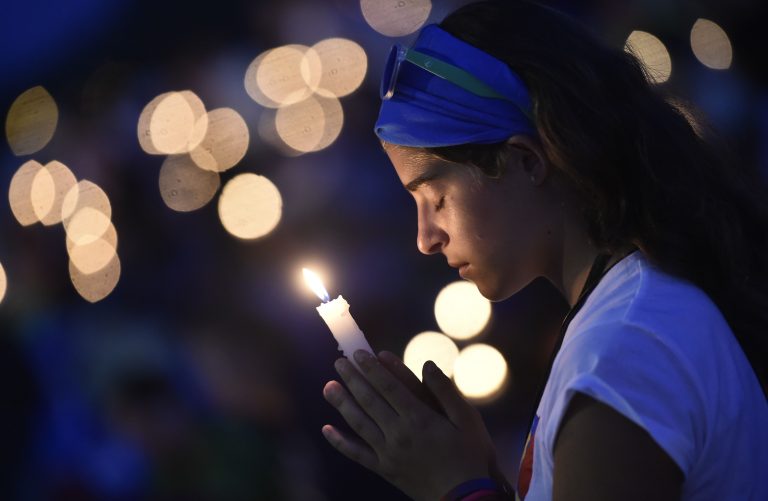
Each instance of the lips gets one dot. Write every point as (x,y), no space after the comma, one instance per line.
(462,267)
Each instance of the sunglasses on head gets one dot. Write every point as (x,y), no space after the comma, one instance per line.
(457,76)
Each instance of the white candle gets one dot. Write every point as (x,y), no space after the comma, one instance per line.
(336,315)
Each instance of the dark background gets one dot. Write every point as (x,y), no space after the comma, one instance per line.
(200,376)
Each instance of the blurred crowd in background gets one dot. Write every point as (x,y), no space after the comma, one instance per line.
(199,376)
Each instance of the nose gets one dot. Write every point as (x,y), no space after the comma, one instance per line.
(430,238)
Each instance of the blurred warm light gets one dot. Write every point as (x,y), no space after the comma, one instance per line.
(433,346)
(480,371)
(84,194)
(461,311)
(3,283)
(652,54)
(343,64)
(268,133)
(87,225)
(42,193)
(275,78)
(250,206)
(311,125)
(31,121)
(315,283)
(396,18)
(94,287)
(20,193)
(225,142)
(711,45)
(93,254)
(185,187)
(173,122)
(55,186)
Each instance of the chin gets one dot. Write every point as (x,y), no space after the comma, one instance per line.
(495,290)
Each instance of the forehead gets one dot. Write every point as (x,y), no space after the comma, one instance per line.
(410,162)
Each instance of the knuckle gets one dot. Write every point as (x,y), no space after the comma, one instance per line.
(389,387)
(366,399)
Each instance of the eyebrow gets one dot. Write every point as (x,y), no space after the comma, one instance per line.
(423,179)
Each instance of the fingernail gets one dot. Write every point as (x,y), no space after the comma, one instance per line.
(362,356)
(341,367)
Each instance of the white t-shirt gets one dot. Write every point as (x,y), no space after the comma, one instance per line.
(657,350)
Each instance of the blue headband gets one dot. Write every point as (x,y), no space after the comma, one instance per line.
(428,111)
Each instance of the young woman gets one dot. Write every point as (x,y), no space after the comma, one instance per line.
(533,150)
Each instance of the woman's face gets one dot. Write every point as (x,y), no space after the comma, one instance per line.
(494,231)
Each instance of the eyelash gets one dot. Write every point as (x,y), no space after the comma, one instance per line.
(440,204)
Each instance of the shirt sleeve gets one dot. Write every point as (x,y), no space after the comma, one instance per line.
(639,375)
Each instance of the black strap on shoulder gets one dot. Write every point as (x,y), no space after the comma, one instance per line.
(595,274)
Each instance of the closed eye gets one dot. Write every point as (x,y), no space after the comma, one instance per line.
(440,204)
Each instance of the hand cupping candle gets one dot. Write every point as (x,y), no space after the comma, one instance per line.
(336,315)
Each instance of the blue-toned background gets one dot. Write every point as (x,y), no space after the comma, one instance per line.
(200,376)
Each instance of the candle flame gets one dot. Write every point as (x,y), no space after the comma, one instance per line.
(314,283)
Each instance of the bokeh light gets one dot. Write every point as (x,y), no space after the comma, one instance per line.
(84,194)
(480,372)
(311,125)
(92,254)
(461,311)
(20,192)
(3,283)
(87,225)
(396,18)
(31,121)
(433,346)
(711,45)
(173,122)
(343,64)
(652,53)
(49,188)
(283,75)
(225,142)
(250,206)
(184,186)
(268,133)
(94,287)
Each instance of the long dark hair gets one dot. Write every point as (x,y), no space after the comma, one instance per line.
(645,174)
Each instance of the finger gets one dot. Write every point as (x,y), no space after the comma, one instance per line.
(458,410)
(358,420)
(394,392)
(354,449)
(409,379)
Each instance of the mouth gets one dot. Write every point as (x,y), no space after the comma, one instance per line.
(462,267)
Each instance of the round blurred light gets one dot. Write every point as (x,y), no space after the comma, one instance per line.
(461,311)
(20,193)
(275,77)
(652,54)
(3,283)
(42,193)
(225,142)
(311,125)
(433,346)
(173,122)
(31,121)
(84,194)
(94,287)
(250,206)
(343,64)
(480,371)
(268,133)
(396,18)
(185,187)
(711,45)
(52,195)
(94,254)
(87,225)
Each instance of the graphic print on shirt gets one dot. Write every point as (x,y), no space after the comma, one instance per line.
(526,463)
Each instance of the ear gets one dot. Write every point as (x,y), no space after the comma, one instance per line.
(528,155)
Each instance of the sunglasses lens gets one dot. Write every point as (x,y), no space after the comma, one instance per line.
(389,78)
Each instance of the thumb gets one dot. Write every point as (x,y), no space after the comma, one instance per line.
(455,407)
